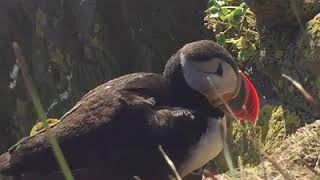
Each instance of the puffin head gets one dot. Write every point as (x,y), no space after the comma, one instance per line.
(211,71)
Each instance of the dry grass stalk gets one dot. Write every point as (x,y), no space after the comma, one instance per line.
(307,95)
(170,163)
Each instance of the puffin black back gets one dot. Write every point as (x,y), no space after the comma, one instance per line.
(112,125)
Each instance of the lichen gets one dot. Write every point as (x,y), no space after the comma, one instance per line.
(94,41)
(14,76)
(56,56)
(41,22)
(40,126)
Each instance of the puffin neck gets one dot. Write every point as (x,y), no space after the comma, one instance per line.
(182,94)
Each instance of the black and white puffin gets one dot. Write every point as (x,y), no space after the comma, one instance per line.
(115,129)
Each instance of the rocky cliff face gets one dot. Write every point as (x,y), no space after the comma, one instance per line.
(73,46)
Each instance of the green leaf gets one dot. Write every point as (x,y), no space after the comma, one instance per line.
(236,42)
(242,55)
(221,39)
(214,3)
(235,16)
(210,3)
(213,10)
(225,12)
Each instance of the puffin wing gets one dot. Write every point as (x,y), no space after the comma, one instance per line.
(191,138)
(98,116)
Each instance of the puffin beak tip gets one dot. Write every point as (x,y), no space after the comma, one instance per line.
(251,107)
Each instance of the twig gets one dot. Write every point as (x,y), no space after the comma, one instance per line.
(240,165)
(230,27)
(137,178)
(316,167)
(226,150)
(170,163)
(307,95)
(242,19)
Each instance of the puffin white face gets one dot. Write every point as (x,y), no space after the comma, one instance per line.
(211,71)
(222,75)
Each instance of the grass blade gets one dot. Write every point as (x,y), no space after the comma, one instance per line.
(40,112)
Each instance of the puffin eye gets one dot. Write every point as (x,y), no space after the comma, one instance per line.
(219,70)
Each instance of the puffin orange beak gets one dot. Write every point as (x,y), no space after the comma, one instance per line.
(246,107)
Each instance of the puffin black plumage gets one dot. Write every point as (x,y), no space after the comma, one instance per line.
(114,131)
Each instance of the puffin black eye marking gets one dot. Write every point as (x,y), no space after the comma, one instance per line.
(219,70)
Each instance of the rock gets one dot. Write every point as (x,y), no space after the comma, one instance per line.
(310,47)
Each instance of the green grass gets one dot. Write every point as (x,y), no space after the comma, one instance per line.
(41,113)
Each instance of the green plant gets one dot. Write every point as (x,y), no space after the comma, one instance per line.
(234,26)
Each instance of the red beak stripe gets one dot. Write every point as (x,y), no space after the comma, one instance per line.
(250,109)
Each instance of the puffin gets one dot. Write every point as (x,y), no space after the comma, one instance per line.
(115,130)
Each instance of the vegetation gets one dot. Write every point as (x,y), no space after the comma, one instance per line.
(234,26)
(253,147)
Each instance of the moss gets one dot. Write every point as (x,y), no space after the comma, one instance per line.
(94,42)
(41,22)
(281,123)
(279,54)
(97,28)
(56,56)
(276,129)
(314,26)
